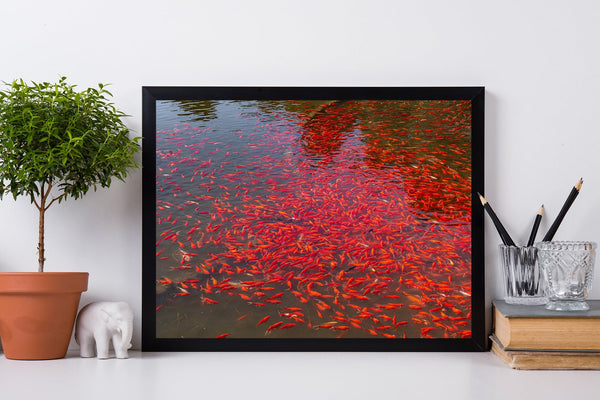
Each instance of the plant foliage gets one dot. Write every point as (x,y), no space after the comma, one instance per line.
(50,135)
(53,136)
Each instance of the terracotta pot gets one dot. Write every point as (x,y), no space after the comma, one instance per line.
(37,312)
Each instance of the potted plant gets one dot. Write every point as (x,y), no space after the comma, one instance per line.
(55,143)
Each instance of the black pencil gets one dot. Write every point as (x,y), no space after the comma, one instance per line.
(563,211)
(506,239)
(536,225)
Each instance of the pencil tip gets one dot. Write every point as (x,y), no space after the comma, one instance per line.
(578,184)
(481,198)
(541,212)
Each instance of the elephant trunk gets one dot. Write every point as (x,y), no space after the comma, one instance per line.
(127,334)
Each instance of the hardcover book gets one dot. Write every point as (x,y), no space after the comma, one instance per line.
(536,359)
(520,327)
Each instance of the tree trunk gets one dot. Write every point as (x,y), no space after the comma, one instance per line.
(44,194)
(41,238)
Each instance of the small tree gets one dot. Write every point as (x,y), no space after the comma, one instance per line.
(56,142)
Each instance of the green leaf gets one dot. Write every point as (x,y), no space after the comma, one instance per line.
(55,133)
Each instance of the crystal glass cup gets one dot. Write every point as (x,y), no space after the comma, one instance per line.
(524,281)
(569,268)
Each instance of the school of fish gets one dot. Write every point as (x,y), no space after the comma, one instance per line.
(338,219)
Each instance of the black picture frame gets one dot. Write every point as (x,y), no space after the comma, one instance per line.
(469,98)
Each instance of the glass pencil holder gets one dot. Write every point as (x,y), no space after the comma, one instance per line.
(569,269)
(524,280)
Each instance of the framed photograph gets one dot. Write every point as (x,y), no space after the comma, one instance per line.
(313,219)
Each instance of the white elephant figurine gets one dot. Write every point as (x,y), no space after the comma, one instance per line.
(99,323)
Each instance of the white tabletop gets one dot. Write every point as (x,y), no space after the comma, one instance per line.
(288,376)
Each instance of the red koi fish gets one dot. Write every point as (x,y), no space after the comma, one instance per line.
(341,328)
(275,325)
(165,281)
(243,296)
(325,326)
(265,319)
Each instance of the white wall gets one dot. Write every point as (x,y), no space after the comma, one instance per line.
(538,60)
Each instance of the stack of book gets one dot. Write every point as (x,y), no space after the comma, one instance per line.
(531,337)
